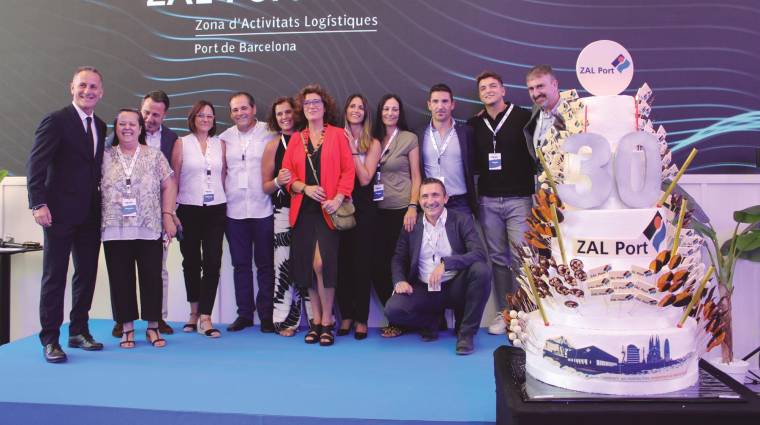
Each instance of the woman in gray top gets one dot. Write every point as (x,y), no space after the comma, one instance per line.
(395,190)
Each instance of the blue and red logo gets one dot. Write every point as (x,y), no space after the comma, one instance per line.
(621,63)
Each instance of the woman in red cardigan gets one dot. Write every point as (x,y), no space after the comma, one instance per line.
(322,170)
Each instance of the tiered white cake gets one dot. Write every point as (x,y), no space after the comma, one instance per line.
(613,307)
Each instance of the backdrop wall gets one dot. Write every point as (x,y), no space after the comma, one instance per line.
(701,59)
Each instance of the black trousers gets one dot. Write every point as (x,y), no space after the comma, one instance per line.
(121,258)
(355,267)
(467,293)
(389,225)
(201,248)
(82,243)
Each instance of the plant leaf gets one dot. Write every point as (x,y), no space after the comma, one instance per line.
(3,173)
(726,247)
(753,255)
(748,215)
(748,241)
(702,228)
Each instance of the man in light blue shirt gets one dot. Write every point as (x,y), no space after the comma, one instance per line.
(447,150)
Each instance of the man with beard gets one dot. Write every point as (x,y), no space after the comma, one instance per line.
(543,89)
(440,264)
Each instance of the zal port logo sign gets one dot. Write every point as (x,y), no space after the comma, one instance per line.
(604,68)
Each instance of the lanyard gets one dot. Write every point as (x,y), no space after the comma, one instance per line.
(382,155)
(390,142)
(247,141)
(207,160)
(498,127)
(128,169)
(435,231)
(282,140)
(445,144)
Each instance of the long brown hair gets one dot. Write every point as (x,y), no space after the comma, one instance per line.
(365,140)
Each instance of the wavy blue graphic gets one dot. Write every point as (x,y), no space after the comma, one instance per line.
(697,57)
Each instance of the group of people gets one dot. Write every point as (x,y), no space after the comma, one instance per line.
(273,189)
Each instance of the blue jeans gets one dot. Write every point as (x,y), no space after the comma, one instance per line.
(459,203)
(251,238)
(504,223)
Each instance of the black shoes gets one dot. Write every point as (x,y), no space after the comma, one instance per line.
(429,335)
(267,327)
(164,327)
(53,353)
(239,324)
(85,342)
(117,330)
(465,345)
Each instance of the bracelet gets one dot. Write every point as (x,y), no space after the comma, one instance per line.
(168,213)
(412,206)
(276,184)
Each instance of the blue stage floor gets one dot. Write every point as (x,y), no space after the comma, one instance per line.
(250,378)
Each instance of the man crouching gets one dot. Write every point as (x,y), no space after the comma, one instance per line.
(440,264)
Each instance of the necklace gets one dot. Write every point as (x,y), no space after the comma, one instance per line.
(305,136)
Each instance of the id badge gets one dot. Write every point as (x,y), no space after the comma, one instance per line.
(494,161)
(242,182)
(434,288)
(208,196)
(378,192)
(129,207)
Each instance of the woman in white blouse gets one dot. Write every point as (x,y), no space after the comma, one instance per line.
(199,165)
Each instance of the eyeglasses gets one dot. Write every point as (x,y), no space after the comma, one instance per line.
(205,117)
(312,102)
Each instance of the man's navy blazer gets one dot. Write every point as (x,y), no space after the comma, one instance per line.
(466,137)
(63,172)
(466,247)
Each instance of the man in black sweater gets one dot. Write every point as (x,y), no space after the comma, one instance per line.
(505,184)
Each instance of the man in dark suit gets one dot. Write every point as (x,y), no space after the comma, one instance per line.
(543,89)
(153,109)
(64,173)
(441,263)
(447,148)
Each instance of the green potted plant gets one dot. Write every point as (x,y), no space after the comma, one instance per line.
(744,243)
(3,173)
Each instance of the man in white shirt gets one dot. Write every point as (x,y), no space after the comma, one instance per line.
(250,220)
(440,264)
(446,148)
(543,89)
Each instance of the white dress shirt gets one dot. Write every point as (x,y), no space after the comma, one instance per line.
(435,246)
(154,139)
(245,194)
(83,116)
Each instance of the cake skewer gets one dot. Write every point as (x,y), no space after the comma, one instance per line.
(696,296)
(672,185)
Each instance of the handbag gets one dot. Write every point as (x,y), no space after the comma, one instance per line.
(343,218)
